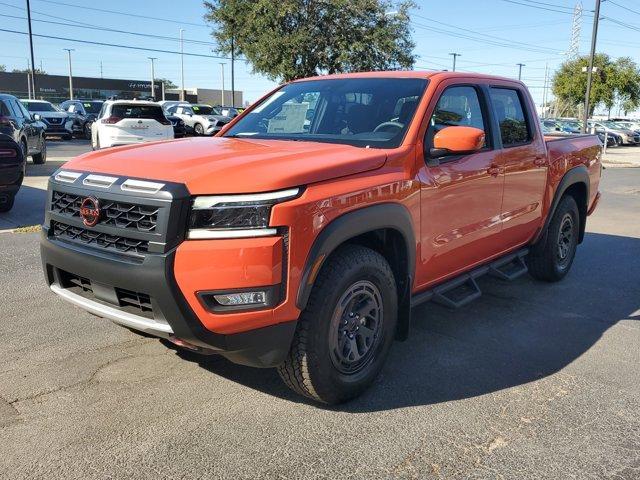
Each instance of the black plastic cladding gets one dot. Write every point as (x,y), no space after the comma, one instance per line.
(172,203)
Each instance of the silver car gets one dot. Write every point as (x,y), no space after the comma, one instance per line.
(204,119)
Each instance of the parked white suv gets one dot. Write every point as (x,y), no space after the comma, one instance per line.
(204,119)
(126,122)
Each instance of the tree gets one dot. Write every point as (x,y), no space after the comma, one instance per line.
(289,39)
(3,68)
(167,83)
(28,70)
(613,81)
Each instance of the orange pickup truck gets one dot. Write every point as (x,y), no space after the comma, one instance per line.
(304,233)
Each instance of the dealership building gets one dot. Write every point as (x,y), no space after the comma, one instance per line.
(55,88)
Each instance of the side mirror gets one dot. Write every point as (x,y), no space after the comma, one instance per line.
(456,141)
(37,117)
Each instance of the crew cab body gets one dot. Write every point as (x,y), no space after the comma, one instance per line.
(289,227)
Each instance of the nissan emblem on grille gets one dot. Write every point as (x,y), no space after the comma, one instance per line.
(90,211)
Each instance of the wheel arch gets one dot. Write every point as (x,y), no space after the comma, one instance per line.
(386,228)
(575,182)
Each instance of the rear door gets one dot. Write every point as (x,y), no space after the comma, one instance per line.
(140,121)
(461,196)
(523,155)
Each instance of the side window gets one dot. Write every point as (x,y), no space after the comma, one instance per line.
(458,106)
(510,113)
(25,112)
(17,112)
(4,110)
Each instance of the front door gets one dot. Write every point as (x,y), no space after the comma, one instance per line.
(461,197)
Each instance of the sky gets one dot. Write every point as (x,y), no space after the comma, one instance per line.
(492,36)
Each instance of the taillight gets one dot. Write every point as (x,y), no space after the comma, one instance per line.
(8,153)
(111,120)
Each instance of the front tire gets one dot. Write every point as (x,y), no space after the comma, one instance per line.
(7,204)
(41,157)
(344,335)
(551,258)
(198,129)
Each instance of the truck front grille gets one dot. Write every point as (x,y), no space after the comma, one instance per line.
(128,216)
(114,243)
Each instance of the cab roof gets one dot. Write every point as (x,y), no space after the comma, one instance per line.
(442,75)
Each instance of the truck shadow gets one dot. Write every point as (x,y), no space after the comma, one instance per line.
(28,209)
(515,334)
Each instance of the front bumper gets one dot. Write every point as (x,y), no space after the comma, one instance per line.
(172,317)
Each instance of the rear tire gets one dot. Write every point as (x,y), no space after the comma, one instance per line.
(7,204)
(551,258)
(344,335)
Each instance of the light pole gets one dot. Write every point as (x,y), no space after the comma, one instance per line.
(455,56)
(520,65)
(222,76)
(233,86)
(33,65)
(594,37)
(69,50)
(182,63)
(153,76)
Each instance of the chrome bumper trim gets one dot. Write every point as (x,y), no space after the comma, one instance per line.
(126,319)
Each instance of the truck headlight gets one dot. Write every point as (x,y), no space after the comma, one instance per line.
(235,216)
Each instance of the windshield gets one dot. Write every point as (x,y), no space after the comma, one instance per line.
(204,110)
(363,112)
(92,107)
(40,107)
(138,111)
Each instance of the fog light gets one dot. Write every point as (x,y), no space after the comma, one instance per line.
(241,298)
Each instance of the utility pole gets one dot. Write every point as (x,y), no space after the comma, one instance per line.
(455,56)
(222,70)
(594,37)
(520,65)
(69,50)
(544,91)
(182,63)
(233,86)
(153,76)
(33,65)
(162,83)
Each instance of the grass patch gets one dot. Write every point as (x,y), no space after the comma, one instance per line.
(29,229)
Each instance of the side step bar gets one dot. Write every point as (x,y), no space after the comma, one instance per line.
(464,289)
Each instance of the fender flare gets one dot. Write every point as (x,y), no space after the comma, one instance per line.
(376,217)
(578,174)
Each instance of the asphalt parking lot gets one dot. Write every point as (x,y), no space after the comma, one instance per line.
(531,381)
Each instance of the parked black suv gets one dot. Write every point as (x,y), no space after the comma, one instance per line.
(25,129)
(12,162)
(84,113)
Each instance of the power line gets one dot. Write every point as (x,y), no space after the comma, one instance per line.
(539,7)
(626,8)
(104,29)
(130,47)
(146,17)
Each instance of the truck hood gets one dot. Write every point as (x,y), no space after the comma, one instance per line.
(231,165)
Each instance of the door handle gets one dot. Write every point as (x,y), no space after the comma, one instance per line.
(540,161)
(493,170)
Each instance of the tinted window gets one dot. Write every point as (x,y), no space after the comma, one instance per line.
(39,107)
(355,111)
(203,110)
(4,110)
(458,106)
(17,111)
(92,107)
(510,114)
(138,111)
